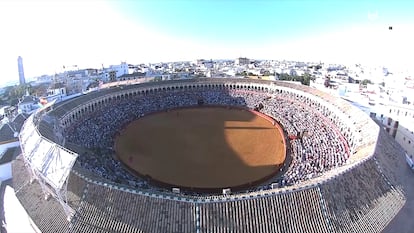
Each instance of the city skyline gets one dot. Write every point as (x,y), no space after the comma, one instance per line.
(53,34)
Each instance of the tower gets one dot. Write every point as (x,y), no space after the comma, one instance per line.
(21,71)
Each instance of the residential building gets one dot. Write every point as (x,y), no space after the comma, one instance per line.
(44,79)
(56,92)
(132,76)
(27,104)
(241,61)
(398,120)
(119,70)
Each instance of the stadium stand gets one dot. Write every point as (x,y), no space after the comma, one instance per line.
(340,179)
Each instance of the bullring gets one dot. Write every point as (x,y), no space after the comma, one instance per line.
(323,188)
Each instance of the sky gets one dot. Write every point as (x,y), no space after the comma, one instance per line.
(50,34)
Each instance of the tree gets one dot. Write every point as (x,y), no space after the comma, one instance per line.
(365,82)
(14,93)
(40,90)
(304,79)
(266,73)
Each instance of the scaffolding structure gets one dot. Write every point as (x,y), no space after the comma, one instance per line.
(49,163)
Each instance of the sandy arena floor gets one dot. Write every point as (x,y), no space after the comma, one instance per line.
(202,147)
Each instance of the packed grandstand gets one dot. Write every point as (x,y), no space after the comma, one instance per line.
(332,181)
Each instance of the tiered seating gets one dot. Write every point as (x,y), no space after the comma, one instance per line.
(48,215)
(46,130)
(76,187)
(313,155)
(356,198)
(363,199)
(388,156)
(20,172)
(381,214)
(113,210)
(290,212)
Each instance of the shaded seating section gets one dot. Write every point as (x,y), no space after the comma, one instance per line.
(48,215)
(358,201)
(46,129)
(75,190)
(290,212)
(105,209)
(361,200)
(389,147)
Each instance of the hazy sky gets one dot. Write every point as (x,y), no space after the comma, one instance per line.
(88,33)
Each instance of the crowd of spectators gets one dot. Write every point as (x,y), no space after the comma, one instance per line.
(322,147)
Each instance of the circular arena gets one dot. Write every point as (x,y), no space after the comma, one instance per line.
(209,155)
(203,149)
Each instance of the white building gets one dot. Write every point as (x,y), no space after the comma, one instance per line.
(398,121)
(44,79)
(119,70)
(27,104)
(56,92)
